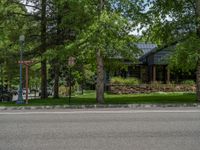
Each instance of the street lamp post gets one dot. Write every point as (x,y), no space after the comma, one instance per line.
(71,63)
(20,95)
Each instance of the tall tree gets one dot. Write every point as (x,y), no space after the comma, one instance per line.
(10,29)
(43,46)
(106,36)
(197,2)
(100,65)
(175,21)
(100,29)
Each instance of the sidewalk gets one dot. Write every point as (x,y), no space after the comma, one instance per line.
(128,106)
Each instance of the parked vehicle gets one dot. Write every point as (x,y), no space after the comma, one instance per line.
(14,91)
(34,91)
(50,92)
(24,91)
(5,95)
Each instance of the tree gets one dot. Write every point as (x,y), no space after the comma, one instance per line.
(100,65)
(50,19)
(175,21)
(98,29)
(43,46)
(198,60)
(67,17)
(107,36)
(10,29)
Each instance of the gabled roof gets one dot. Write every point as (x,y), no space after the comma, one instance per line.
(156,49)
(159,55)
(146,47)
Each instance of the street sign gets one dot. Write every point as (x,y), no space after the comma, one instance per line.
(25,62)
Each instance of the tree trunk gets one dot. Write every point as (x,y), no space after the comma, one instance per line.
(198,81)
(100,67)
(56,79)
(100,78)
(56,64)
(43,79)
(198,63)
(83,79)
(43,43)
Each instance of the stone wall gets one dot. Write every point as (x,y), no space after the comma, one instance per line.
(149,88)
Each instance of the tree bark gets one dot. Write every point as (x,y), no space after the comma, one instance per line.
(43,43)
(56,79)
(100,67)
(83,79)
(56,64)
(100,78)
(198,81)
(198,63)
(43,79)
(198,17)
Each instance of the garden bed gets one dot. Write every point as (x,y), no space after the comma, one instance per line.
(149,88)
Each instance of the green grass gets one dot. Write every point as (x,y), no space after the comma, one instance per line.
(89,98)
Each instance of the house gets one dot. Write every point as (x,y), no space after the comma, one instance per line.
(153,65)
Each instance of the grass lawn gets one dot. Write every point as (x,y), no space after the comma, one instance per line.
(89,98)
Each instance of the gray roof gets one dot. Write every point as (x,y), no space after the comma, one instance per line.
(146,47)
(160,55)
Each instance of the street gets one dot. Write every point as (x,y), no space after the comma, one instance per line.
(100,130)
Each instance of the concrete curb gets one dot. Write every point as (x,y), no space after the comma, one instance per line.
(129,106)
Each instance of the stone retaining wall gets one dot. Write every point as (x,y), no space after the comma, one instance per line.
(149,88)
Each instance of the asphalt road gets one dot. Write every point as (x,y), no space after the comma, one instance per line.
(93,130)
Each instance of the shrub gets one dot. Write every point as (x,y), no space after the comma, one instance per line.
(63,90)
(188,82)
(124,81)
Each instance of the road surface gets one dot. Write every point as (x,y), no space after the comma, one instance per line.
(100,130)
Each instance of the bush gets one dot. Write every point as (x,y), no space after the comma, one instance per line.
(124,81)
(188,82)
(63,90)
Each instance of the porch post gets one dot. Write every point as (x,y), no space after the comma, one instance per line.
(141,77)
(168,75)
(154,73)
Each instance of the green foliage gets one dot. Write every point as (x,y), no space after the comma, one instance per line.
(125,81)
(188,82)
(12,24)
(186,54)
(167,21)
(110,34)
(89,74)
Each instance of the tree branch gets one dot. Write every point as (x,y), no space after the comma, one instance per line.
(26,15)
(26,5)
(35,7)
(193,4)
